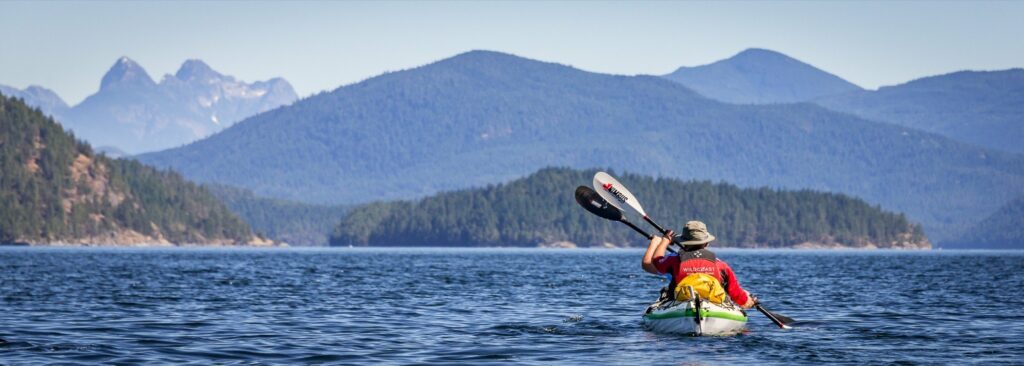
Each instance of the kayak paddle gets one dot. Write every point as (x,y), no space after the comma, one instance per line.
(613,191)
(593,202)
(781,320)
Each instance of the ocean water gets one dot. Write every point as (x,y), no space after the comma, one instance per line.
(493,306)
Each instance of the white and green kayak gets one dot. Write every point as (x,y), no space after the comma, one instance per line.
(680,317)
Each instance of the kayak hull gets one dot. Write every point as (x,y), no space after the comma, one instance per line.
(681,318)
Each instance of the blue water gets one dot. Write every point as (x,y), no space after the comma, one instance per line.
(372,306)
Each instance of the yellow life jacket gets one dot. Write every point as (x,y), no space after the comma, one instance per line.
(706,286)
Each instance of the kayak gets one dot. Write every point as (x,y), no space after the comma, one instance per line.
(679,317)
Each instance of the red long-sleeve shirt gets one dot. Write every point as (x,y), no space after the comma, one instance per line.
(671,264)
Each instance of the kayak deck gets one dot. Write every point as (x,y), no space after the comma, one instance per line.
(681,318)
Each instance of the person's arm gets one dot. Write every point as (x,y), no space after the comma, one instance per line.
(736,292)
(655,249)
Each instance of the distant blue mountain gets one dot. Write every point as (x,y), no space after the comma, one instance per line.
(484,117)
(288,222)
(39,97)
(758,76)
(1003,229)
(133,113)
(985,108)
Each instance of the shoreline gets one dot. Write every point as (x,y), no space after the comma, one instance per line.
(541,248)
(7,246)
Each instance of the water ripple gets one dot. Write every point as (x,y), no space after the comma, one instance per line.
(201,306)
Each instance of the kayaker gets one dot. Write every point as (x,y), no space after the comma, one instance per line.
(695,258)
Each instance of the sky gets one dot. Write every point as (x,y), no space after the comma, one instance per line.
(321,45)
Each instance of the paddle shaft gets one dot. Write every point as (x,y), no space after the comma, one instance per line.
(637,229)
(771,316)
(645,235)
(656,226)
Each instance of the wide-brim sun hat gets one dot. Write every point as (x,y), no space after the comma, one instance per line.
(695,233)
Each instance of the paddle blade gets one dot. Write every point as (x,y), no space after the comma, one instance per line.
(785,319)
(615,193)
(780,320)
(593,202)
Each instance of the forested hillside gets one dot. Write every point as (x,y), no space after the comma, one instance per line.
(484,118)
(56,189)
(1004,229)
(540,209)
(758,76)
(984,108)
(290,222)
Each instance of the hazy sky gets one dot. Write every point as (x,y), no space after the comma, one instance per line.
(67,46)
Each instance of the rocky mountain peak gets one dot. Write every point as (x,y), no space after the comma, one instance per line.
(134,114)
(195,69)
(126,73)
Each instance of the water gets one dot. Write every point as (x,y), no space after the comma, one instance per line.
(372,306)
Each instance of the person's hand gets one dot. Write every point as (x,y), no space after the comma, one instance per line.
(751,301)
(670,234)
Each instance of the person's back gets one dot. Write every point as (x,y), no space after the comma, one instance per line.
(695,259)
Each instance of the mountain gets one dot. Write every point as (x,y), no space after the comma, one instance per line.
(984,108)
(55,189)
(483,117)
(282,221)
(1004,229)
(39,97)
(133,113)
(540,210)
(758,76)
(126,74)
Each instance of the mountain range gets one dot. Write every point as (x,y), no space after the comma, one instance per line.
(485,117)
(984,108)
(36,96)
(759,76)
(1003,229)
(134,114)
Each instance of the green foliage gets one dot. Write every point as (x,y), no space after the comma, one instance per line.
(541,209)
(42,201)
(485,118)
(283,221)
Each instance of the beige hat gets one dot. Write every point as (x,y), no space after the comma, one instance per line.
(696,233)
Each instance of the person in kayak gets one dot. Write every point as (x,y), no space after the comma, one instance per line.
(694,259)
